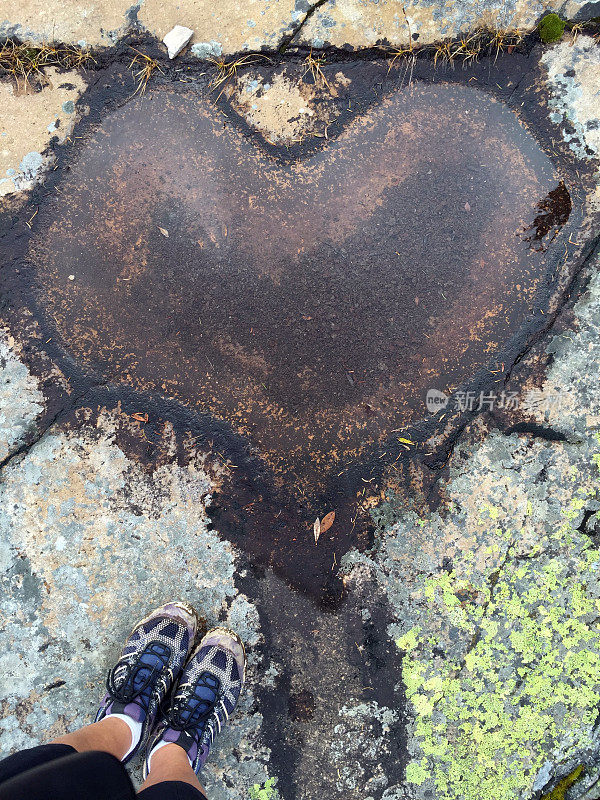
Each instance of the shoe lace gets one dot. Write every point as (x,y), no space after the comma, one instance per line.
(126,691)
(192,718)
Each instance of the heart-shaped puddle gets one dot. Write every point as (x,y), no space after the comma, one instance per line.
(312,303)
(308,302)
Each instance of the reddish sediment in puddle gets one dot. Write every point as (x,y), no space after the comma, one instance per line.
(311,303)
(291,308)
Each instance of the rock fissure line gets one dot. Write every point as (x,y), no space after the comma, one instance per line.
(287,40)
(48,424)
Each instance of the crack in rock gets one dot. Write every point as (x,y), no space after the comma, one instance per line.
(21,401)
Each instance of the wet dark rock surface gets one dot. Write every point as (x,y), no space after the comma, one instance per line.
(297,303)
(454,657)
(312,303)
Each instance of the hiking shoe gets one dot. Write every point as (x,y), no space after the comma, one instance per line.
(206,695)
(150,663)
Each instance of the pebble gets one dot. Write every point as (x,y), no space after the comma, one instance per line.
(176,39)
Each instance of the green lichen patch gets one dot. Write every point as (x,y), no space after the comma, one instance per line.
(484,725)
(266,791)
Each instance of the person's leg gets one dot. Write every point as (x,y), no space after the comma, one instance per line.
(171,763)
(153,656)
(24,760)
(110,735)
(71,776)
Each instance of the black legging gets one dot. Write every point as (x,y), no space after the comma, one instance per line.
(59,772)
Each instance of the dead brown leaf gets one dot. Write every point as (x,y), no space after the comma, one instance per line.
(164,231)
(327,521)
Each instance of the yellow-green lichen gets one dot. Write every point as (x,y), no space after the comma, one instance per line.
(265,792)
(409,641)
(483,724)
(417,772)
(488,511)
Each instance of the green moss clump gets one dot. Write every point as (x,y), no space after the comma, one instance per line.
(551,28)
(559,791)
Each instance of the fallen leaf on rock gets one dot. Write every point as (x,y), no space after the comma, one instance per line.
(164,232)
(317,529)
(327,521)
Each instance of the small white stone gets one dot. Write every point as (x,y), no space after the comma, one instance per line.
(71,277)
(177,39)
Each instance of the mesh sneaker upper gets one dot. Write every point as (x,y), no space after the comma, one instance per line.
(206,695)
(149,664)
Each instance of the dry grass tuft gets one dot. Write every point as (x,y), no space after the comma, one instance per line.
(466,50)
(147,67)
(504,39)
(589,27)
(23,61)
(315,67)
(226,70)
